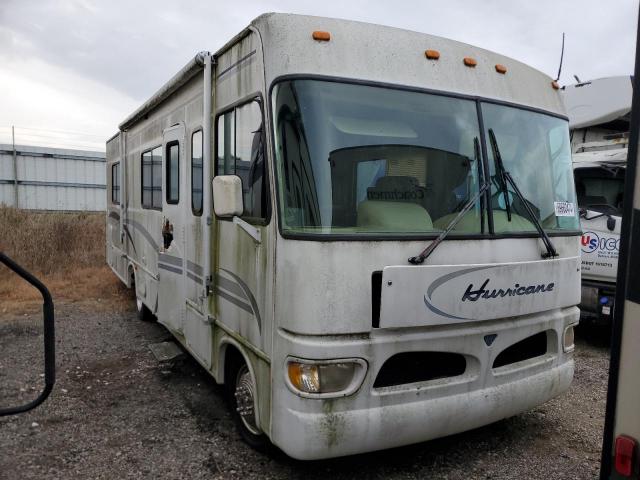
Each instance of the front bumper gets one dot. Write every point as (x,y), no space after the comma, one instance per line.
(379,418)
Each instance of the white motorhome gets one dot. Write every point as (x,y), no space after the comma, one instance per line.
(272,204)
(599,112)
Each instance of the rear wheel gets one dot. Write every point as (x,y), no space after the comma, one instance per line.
(142,311)
(241,394)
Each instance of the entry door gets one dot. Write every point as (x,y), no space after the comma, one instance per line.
(171,258)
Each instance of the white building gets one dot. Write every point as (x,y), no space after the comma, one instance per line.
(52,178)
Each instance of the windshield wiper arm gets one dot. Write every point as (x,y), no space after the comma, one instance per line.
(432,246)
(551,251)
(502,182)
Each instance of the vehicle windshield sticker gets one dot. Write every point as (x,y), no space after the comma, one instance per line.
(565,209)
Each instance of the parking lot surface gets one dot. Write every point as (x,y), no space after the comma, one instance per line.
(116,413)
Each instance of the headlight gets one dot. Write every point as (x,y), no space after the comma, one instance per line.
(325,377)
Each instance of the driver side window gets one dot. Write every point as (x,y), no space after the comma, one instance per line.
(241,151)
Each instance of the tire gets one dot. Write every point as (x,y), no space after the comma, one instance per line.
(142,311)
(240,395)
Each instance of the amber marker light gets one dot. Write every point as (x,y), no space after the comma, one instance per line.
(321,36)
(470,62)
(304,377)
(501,69)
(555,85)
(432,54)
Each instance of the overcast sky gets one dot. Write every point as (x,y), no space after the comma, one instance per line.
(71,70)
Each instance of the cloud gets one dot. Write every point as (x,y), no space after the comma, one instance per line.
(118,52)
(47,102)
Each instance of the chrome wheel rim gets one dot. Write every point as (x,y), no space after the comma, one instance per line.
(245,400)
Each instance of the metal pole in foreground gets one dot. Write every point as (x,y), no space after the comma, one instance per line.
(15,167)
(620,444)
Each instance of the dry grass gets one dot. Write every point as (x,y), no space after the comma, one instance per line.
(66,251)
(52,242)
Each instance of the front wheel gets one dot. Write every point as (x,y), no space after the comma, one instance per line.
(241,395)
(143,313)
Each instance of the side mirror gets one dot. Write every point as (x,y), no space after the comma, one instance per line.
(49,338)
(227,196)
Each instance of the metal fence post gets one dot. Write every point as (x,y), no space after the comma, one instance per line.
(15,167)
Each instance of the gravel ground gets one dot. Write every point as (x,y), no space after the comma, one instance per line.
(115,413)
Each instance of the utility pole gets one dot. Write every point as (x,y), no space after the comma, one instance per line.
(15,166)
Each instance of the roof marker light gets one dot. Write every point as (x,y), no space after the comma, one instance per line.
(321,36)
(470,62)
(555,85)
(501,69)
(432,54)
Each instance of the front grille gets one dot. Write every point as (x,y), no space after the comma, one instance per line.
(531,347)
(411,367)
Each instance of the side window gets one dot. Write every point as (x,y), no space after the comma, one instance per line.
(156,174)
(250,157)
(241,152)
(226,144)
(152,179)
(115,183)
(196,173)
(173,172)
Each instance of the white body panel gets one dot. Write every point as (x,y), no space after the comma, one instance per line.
(447,294)
(598,101)
(272,297)
(376,418)
(390,55)
(345,273)
(600,248)
(172,259)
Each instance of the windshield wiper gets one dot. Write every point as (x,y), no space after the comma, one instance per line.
(551,251)
(500,174)
(467,206)
(432,246)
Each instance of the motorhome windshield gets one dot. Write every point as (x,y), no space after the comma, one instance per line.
(356,159)
(535,150)
(601,188)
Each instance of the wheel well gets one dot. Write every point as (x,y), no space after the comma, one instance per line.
(132,276)
(232,358)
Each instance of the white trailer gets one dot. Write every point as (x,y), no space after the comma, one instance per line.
(599,115)
(271,202)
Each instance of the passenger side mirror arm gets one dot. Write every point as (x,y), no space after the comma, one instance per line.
(252,231)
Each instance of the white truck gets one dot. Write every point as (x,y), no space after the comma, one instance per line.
(599,121)
(271,205)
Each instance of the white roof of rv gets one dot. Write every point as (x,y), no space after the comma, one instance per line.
(598,101)
(364,51)
(383,54)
